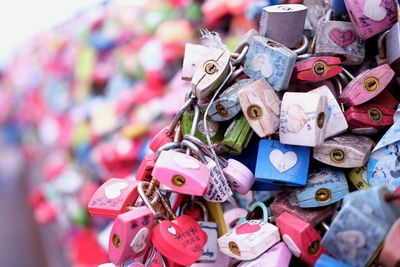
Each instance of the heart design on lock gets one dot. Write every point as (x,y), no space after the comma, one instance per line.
(247,228)
(350,241)
(113,191)
(262,63)
(181,240)
(342,37)
(373,10)
(186,162)
(282,162)
(139,243)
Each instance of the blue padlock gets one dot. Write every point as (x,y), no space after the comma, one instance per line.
(282,164)
(338,7)
(324,187)
(327,261)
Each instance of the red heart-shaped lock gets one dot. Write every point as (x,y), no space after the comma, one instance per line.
(181,240)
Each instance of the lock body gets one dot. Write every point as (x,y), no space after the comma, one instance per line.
(227,105)
(281,164)
(344,151)
(358,177)
(269,60)
(392,47)
(367,85)
(237,136)
(218,189)
(371,17)
(278,255)
(390,256)
(284,24)
(316,69)
(324,187)
(113,197)
(160,139)
(130,235)
(182,173)
(261,107)
(336,121)
(369,118)
(146,167)
(339,38)
(327,261)
(300,237)
(210,250)
(338,7)
(194,54)
(303,119)
(240,178)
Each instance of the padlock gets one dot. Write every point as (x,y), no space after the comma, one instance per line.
(260,106)
(227,105)
(278,255)
(130,235)
(284,24)
(369,118)
(338,7)
(210,250)
(336,122)
(316,69)
(324,187)
(303,119)
(367,85)
(344,151)
(282,164)
(327,261)
(237,136)
(250,239)
(113,198)
(371,17)
(392,47)
(287,202)
(301,238)
(194,54)
(339,38)
(270,60)
(233,215)
(217,215)
(390,256)
(358,177)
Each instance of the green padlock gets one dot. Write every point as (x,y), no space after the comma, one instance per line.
(237,136)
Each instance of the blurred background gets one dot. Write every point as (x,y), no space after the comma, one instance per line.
(84,85)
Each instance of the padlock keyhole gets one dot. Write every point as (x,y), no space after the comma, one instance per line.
(319,68)
(234,248)
(211,67)
(371,84)
(222,110)
(116,241)
(254,112)
(337,155)
(323,195)
(314,247)
(375,114)
(321,120)
(178,180)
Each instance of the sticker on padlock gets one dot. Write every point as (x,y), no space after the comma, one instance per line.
(389,255)
(344,151)
(113,197)
(358,177)
(301,238)
(237,136)
(261,107)
(278,255)
(227,105)
(369,118)
(336,122)
(270,60)
(316,69)
(371,17)
(130,235)
(324,187)
(282,164)
(303,119)
(367,85)
(250,239)
(284,24)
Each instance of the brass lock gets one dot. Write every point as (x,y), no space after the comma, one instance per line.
(337,155)
(319,68)
(323,194)
(371,84)
(314,247)
(321,119)
(178,180)
(116,241)
(254,112)
(234,248)
(375,114)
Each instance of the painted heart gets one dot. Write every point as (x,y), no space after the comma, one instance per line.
(263,64)
(373,10)
(282,162)
(113,191)
(247,228)
(139,242)
(187,162)
(171,230)
(186,246)
(342,37)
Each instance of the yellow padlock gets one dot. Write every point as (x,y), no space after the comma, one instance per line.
(217,215)
(358,177)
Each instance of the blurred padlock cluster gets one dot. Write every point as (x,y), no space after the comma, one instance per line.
(215,133)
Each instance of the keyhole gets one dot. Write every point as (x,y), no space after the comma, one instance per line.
(375,114)
(321,120)
(273,44)
(222,110)
(314,247)
(254,112)
(323,194)
(116,241)
(178,180)
(371,84)
(211,67)
(337,155)
(319,68)
(284,8)
(234,248)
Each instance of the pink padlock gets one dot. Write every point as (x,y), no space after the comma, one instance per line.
(367,85)
(371,17)
(182,173)
(278,255)
(232,216)
(240,178)
(301,238)
(130,235)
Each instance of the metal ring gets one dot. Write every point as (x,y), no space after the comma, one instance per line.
(241,56)
(199,153)
(304,56)
(303,47)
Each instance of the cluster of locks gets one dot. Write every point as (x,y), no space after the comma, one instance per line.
(286,150)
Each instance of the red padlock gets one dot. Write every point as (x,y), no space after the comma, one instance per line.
(316,69)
